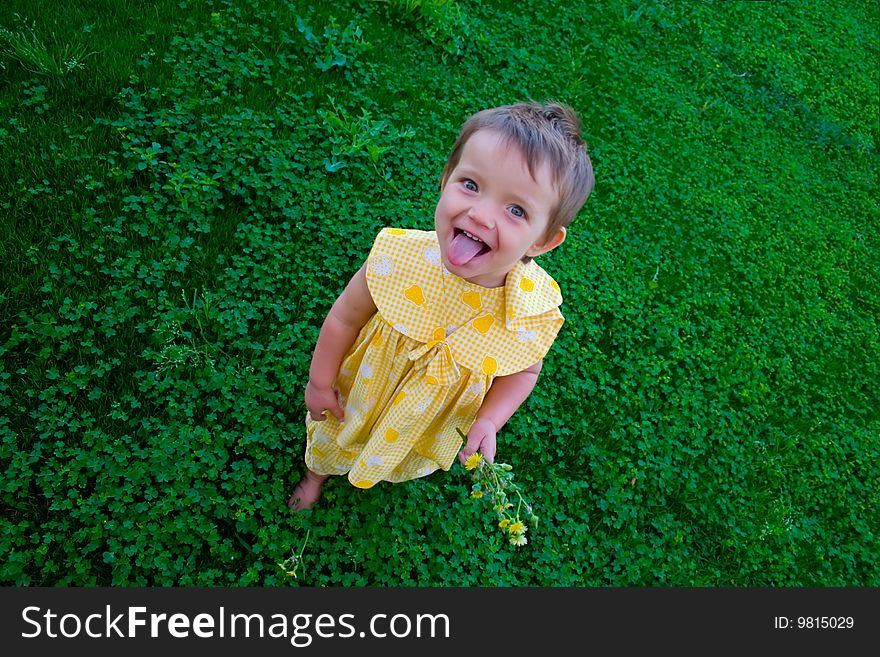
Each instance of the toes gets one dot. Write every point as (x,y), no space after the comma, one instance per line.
(301,500)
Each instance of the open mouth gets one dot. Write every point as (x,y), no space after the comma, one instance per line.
(465,247)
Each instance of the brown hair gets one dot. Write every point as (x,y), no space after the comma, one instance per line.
(548,133)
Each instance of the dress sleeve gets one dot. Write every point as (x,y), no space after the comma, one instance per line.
(404,280)
(501,350)
(531,323)
(533,318)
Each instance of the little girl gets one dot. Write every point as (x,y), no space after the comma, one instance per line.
(447,329)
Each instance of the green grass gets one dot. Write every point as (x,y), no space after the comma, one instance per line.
(182,206)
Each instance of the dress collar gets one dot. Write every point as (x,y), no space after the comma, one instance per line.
(529,291)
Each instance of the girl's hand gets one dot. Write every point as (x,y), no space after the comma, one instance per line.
(480,438)
(319,400)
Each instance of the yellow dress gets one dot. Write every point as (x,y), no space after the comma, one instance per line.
(423,363)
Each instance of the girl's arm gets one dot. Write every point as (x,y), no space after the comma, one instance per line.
(505,396)
(346,318)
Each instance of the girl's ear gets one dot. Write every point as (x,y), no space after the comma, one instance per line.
(554,241)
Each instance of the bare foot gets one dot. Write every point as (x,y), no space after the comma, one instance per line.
(307,491)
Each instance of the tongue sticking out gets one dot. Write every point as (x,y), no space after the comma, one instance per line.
(463,249)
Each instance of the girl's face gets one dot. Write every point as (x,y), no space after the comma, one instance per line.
(492,212)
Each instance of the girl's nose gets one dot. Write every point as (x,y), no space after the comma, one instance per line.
(481,213)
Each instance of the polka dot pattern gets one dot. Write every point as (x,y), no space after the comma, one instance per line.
(423,364)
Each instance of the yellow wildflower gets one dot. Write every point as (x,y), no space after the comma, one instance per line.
(477,494)
(473,461)
(517,528)
(504,523)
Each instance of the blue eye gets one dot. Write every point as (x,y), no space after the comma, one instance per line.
(469,184)
(517,211)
